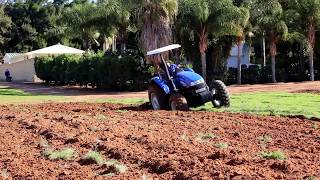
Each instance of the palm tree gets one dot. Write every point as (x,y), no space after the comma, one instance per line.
(207,17)
(241,26)
(268,16)
(113,18)
(155,18)
(79,23)
(309,17)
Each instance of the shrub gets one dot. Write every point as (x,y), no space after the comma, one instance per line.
(98,70)
(252,74)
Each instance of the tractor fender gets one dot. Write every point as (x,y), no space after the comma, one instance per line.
(161,84)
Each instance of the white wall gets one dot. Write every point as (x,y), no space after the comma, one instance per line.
(22,71)
(244,55)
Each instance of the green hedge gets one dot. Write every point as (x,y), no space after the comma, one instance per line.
(253,74)
(99,70)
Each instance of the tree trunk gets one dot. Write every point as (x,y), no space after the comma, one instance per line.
(239,66)
(123,47)
(203,46)
(239,40)
(301,60)
(264,49)
(84,45)
(89,44)
(204,65)
(114,43)
(273,67)
(311,65)
(311,41)
(273,52)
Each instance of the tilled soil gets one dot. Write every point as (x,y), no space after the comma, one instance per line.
(163,144)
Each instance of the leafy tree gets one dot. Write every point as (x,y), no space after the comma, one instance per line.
(30,23)
(78,20)
(113,17)
(216,18)
(241,26)
(269,17)
(5,23)
(307,13)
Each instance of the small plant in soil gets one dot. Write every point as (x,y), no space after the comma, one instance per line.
(25,110)
(312,178)
(94,128)
(94,157)
(221,145)
(64,154)
(113,167)
(205,137)
(315,126)
(48,151)
(238,123)
(144,177)
(120,168)
(43,143)
(121,111)
(184,137)
(5,174)
(264,140)
(277,155)
(101,117)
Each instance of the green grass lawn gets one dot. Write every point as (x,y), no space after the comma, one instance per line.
(271,103)
(15,96)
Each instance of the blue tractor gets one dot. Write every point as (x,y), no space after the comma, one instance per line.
(178,88)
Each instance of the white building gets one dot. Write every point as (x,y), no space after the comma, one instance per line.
(244,55)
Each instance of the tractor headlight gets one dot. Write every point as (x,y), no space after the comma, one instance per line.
(194,83)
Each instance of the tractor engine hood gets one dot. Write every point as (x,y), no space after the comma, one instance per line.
(188,78)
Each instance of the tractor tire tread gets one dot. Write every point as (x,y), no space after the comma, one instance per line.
(221,88)
(181,102)
(162,98)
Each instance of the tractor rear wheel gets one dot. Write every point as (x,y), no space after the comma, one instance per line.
(178,102)
(157,98)
(221,97)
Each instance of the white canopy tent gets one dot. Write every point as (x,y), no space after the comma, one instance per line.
(51,50)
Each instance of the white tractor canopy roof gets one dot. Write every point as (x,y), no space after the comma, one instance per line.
(163,49)
(55,49)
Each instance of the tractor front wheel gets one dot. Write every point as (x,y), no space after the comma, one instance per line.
(158,99)
(178,102)
(221,97)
